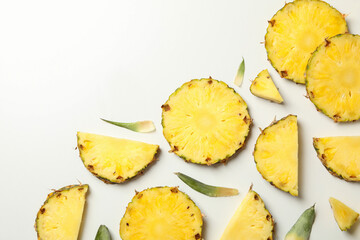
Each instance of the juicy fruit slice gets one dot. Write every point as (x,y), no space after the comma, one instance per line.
(340,156)
(276,154)
(296,30)
(302,228)
(333,78)
(161,213)
(60,216)
(264,87)
(114,160)
(344,216)
(205,121)
(250,221)
(208,190)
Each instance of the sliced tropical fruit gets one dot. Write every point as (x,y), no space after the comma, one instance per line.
(161,213)
(344,216)
(114,160)
(333,78)
(211,191)
(140,126)
(264,87)
(340,156)
(296,30)
(276,154)
(302,228)
(251,220)
(59,218)
(205,121)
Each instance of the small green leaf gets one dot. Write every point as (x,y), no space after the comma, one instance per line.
(302,228)
(208,190)
(103,233)
(140,126)
(240,74)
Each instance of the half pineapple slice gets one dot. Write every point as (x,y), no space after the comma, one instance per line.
(161,213)
(251,220)
(344,216)
(60,216)
(264,87)
(276,154)
(340,156)
(333,78)
(296,30)
(114,160)
(205,121)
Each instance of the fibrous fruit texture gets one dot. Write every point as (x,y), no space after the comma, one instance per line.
(345,216)
(264,87)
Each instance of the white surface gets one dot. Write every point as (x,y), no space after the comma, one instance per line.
(64,64)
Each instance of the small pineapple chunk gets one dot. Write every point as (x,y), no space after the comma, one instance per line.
(114,160)
(60,216)
(161,213)
(251,220)
(264,87)
(276,154)
(340,156)
(344,216)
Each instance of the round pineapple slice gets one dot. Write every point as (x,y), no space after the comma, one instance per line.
(333,78)
(205,121)
(161,213)
(296,30)
(61,215)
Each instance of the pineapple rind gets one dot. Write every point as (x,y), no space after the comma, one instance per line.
(130,216)
(106,179)
(339,170)
(301,79)
(224,158)
(242,228)
(52,195)
(293,190)
(336,116)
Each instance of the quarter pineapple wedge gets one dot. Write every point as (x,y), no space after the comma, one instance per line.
(264,87)
(344,216)
(205,121)
(340,156)
(276,154)
(251,221)
(161,213)
(114,160)
(296,30)
(60,216)
(333,78)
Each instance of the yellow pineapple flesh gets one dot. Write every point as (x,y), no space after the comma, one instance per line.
(333,78)
(345,216)
(205,121)
(114,160)
(61,215)
(276,154)
(296,30)
(161,213)
(251,220)
(340,156)
(264,87)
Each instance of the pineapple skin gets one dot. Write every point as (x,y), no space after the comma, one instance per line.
(197,237)
(333,172)
(273,123)
(267,50)
(310,94)
(51,195)
(223,160)
(108,181)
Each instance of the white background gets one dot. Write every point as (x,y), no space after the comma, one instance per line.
(65,64)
